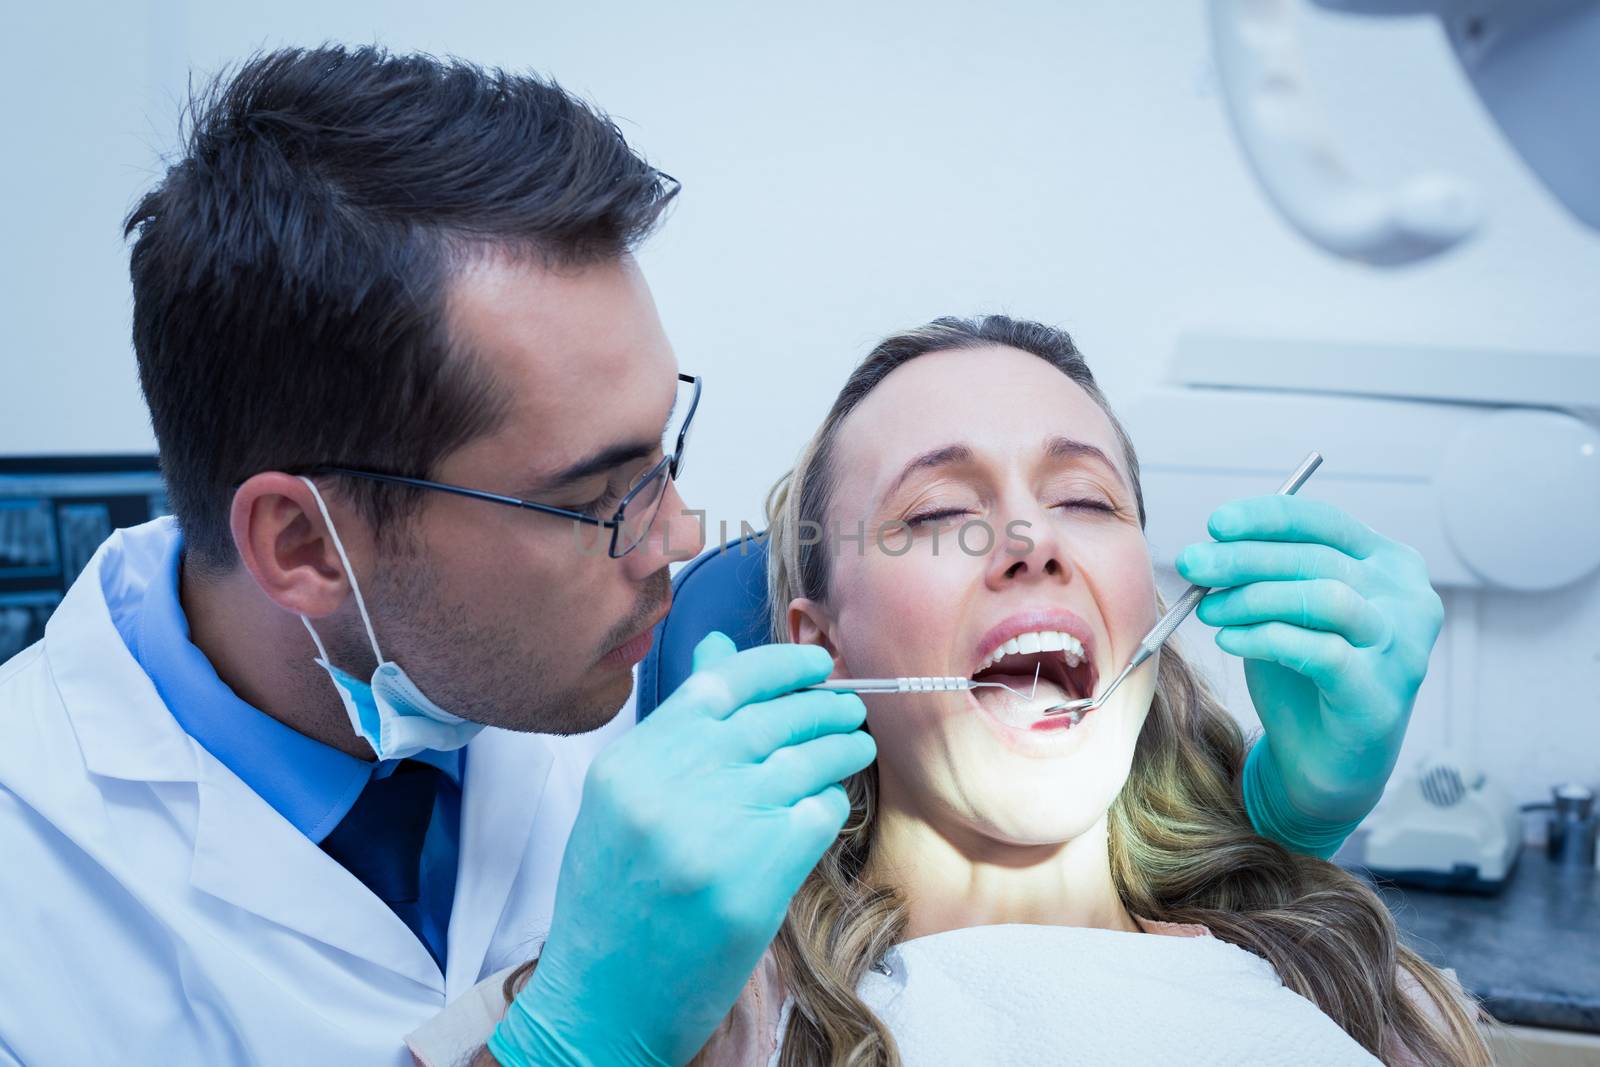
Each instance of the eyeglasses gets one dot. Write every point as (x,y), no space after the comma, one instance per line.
(635,514)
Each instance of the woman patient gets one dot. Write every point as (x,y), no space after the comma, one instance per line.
(1013,888)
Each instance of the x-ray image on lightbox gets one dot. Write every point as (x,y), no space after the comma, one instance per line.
(55,512)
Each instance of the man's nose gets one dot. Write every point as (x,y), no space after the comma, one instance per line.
(677,534)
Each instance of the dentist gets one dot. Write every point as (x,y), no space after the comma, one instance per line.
(290,771)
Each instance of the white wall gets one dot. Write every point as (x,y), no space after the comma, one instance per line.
(849,170)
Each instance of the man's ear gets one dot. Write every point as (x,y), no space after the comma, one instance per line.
(810,624)
(285,545)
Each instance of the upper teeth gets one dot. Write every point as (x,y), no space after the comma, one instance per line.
(1038,641)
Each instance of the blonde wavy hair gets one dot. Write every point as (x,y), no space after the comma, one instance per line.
(1182,846)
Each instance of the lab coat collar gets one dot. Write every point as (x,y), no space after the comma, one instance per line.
(505,784)
(310,783)
(101,685)
(247,854)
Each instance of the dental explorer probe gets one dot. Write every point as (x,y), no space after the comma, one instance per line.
(1175,615)
(936,684)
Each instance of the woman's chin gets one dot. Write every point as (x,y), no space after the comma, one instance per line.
(1039,786)
(1045,822)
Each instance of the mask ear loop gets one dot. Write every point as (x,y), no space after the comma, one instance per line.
(355,587)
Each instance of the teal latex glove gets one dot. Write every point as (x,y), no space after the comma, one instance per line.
(694,831)
(1335,623)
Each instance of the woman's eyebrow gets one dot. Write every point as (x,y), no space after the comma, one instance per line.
(1072,449)
(947,456)
(1058,447)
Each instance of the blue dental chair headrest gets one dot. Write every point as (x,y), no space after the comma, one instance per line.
(724,588)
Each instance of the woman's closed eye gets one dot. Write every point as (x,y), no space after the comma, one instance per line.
(938,515)
(1088,503)
(945,514)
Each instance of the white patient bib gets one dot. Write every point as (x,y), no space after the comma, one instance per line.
(1063,995)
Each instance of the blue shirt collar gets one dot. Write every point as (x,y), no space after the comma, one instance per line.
(310,784)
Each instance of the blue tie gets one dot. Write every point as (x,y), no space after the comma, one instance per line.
(401,840)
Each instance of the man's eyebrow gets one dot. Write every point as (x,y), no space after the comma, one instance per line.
(947,456)
(602,461)
(598,463)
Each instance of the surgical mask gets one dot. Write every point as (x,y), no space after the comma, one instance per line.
(396,718)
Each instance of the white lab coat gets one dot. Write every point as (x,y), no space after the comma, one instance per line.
(154,909)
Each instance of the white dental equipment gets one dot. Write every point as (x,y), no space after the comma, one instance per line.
(1485,461)
(1449,826)
(1528,60)
(1298,162)
(1175,615)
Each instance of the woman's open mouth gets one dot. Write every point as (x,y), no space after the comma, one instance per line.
(1065,671)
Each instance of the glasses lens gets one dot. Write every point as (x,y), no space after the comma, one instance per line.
(677,466)
(681,425)
(640,508)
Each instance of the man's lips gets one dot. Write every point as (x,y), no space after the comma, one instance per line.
(636,647)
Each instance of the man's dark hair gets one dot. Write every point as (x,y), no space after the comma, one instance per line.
(290,271)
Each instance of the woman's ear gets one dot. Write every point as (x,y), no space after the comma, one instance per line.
(810,624)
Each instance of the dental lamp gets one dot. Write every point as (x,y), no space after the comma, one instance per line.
(1534,63)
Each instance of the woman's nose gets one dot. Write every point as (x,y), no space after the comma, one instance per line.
(1031,550)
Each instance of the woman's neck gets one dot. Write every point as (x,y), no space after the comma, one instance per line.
(951,881)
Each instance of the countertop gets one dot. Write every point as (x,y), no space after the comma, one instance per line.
(1531,953)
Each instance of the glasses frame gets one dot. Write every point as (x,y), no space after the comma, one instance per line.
(672,461)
